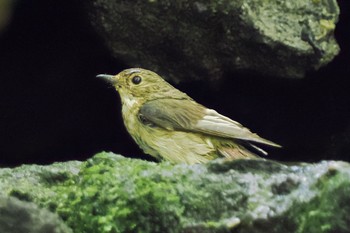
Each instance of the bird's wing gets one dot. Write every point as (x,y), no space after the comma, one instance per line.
(219,125)
(172,114)
(187,115)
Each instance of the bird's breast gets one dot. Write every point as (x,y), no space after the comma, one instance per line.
(130,117)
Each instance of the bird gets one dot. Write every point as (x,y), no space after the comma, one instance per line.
(169,125)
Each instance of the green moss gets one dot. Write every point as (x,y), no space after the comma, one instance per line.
(19,194)
(319,215)
(115,194)
(139,203)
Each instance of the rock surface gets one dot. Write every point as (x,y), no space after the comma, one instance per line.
(202,39)
(110,193)
(21,217)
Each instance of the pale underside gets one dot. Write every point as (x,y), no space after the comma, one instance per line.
(185,147)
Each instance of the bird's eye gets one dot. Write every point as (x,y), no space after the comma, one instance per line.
(136,79)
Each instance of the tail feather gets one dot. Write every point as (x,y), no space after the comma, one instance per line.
(258,149)
(238,152)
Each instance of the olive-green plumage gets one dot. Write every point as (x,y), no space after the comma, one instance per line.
(168,124)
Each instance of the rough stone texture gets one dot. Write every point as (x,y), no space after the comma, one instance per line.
(110,193)
(21,217)
(202,39)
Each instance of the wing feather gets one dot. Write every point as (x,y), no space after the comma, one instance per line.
(216,124)
(187,115)
(173,114)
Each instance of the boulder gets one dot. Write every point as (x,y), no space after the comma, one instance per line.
(203,39)
(111,193)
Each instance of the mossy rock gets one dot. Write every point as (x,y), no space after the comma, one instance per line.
(111,193)
(184,40)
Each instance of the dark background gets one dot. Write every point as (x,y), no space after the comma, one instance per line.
(52,108)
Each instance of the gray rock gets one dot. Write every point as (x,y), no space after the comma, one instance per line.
(110,193)
(22,217)
(202,39)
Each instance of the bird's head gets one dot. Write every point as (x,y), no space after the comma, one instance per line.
(140,84)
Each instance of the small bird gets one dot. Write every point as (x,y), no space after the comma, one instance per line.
(168,124)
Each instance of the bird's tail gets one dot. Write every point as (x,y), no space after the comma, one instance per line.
(237,152)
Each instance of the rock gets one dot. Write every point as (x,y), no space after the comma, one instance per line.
(110,193)
(202,39)
(6,8)
(21,217)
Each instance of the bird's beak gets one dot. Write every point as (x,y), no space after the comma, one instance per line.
(108,78)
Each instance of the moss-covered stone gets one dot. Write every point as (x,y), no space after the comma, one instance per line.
(110,193)
(202,39)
